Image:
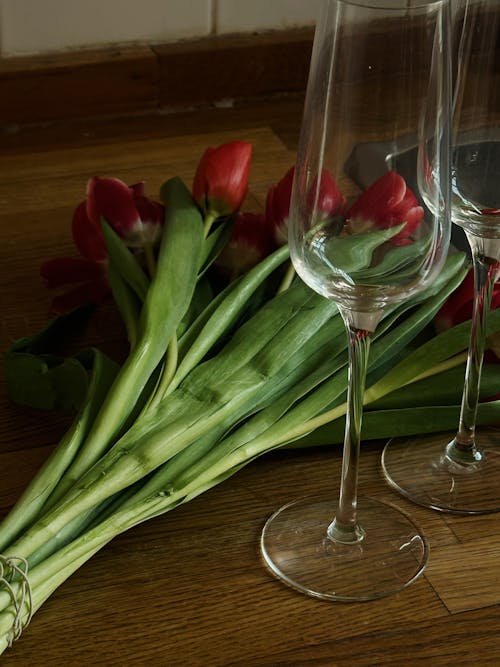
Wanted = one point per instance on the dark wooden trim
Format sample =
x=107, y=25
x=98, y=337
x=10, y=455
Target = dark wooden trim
x=137, y=79
x=234, y=67
x=76, y=85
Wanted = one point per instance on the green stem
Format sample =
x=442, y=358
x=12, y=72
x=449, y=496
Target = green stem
x=127, y=303
x=167, y=300
x=208, y=221
x=168, y=373
x=150, y=259
x=226, y=314
x=287, y=279
x=36, y=497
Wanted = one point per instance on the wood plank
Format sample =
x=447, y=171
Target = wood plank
x=469, y=639
x=189, y=588
x=466, y=576
x=166, y=157
x=205, y=598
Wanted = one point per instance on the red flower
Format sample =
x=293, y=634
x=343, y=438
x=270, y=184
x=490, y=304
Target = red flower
x=250, y=242
x=221, y=180
x=388, y=202
x=133, y=216
x=328, y=197
x=458, y=308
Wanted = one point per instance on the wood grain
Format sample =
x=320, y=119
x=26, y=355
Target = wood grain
x=466, y=576
x=188, y=588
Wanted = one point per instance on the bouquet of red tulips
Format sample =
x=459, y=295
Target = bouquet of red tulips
x=230, y=356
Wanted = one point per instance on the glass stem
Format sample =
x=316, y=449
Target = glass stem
x=345, y=527
x=463, y=448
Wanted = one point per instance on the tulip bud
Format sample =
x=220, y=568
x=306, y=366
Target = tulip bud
x=250, y=242
x=132, y=215
x=221, y=180
x=325, y=200
x=388, y=202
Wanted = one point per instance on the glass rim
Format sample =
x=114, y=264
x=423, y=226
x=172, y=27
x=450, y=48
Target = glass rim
x=405, y=4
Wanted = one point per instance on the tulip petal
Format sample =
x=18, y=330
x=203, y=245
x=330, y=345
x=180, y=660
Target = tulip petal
x=282, y=196
x=87, y=235
x=138, y=189
x=330, y=199
x=150, y=212
x=378, y=200
x=113, y=200
x=250, y=242
x=221, y=180
x=389, y=202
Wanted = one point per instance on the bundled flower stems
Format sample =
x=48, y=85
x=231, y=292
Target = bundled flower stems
x=219, y=371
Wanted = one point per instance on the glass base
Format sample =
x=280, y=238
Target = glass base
x=391, y=554
x=419, y=469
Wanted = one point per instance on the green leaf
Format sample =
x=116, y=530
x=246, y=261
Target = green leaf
x=202, y=297
x=35, y=497
x=166, y=302
x=394, y=260
x=385, y=424
x=127, y=302
x=208, y=331
x=36, y=377
x=442, y=389
x=55, y=333
x=429, y=355
x=124, y=262
x=215, y=242
x=45, y=382
x=353, y=253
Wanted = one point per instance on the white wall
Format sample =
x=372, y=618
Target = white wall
x=44, y=26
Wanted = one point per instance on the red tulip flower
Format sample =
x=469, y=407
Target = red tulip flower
x=132, y=215
x=458, y=308
x=388, y=202
x=328, y=201
x=250, y=243
x=221, y=180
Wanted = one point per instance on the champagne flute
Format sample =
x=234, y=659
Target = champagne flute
x=379, y=73
x=460, y=472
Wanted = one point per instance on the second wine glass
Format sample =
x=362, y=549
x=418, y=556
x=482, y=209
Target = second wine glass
x=460, y=472
x=368, y=238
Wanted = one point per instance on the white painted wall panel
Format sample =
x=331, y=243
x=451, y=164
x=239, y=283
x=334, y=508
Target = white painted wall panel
x=38, y=26
x=248, y=15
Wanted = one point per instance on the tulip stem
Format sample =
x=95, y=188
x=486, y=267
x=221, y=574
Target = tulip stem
x=168, y=372
x=150, y=259
x=209, y=220
x=287, y=279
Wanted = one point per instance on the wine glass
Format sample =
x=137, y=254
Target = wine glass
x=460, y=472
x=364, y=237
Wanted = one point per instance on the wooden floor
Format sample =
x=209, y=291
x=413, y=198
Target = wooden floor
x=188, y=589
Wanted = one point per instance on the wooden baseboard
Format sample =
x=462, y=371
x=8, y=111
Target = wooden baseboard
x=136, y=79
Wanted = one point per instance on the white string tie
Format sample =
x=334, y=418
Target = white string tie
x=14, y=579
